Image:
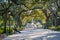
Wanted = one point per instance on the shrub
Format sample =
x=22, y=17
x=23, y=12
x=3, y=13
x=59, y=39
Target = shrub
x=58, y=28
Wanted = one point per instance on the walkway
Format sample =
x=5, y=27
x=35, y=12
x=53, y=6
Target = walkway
x=36, y=34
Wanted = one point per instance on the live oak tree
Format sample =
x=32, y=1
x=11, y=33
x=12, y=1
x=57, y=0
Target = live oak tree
x=49, y=9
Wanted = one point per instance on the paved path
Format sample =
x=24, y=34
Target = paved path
x=36, y=34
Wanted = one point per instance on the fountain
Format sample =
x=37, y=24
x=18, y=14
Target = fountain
x=31, y=25
x=39, y=25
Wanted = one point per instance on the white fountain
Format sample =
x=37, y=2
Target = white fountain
x=31, y=26
x=39, y=25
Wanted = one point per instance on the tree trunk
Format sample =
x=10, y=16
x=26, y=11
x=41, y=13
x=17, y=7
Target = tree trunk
x=5, y=21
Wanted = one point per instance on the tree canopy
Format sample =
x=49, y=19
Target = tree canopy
x=19, y=12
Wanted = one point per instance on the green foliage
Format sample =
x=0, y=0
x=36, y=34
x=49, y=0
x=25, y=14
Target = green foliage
x=20, y=12
x=1, y=30
x=52, y=28
x=58, y=28
x=55, y=28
